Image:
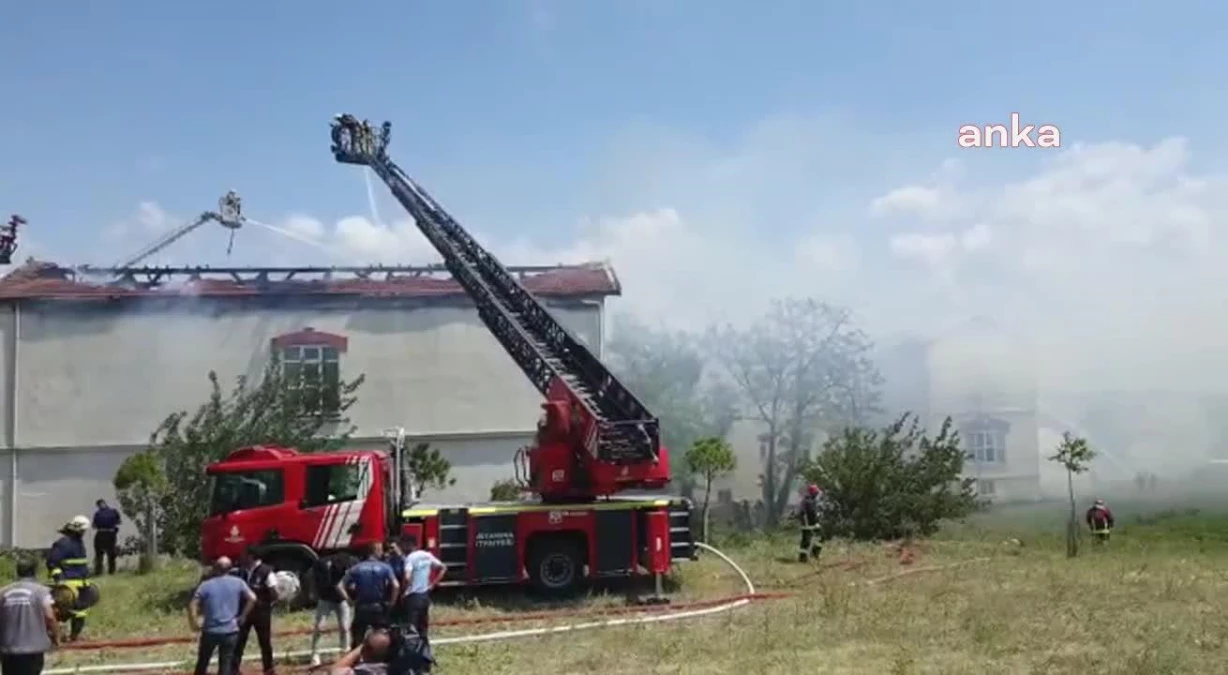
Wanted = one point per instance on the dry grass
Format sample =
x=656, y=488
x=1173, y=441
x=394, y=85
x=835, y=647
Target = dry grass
x=1152, y=602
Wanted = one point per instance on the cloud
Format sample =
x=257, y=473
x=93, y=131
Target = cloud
x=1106, y=259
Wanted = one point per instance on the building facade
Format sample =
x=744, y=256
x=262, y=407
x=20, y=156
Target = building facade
x=984, y=383
x=89, y=370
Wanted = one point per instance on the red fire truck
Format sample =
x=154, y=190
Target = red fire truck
x=595, y=443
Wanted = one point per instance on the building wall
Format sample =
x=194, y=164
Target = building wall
x=92, y=380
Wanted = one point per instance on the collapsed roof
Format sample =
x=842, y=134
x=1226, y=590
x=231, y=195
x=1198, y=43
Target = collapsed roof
x=44, y=280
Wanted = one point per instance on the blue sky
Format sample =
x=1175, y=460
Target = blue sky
x=548, y=126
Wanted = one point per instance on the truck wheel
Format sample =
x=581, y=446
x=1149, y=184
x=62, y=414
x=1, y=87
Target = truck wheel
x=556, y=567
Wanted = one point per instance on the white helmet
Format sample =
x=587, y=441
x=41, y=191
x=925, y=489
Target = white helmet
x=78, y=524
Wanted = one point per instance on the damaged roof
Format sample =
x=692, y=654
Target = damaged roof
x=43, y=280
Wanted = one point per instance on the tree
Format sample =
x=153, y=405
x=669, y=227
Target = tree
x=1075, y=455
x=506, y=490
x=277, y=409
x=666, y=370
x=804, y=367
x=893, y=483
x=140, y=487
x=709, y=459
x=428, y=468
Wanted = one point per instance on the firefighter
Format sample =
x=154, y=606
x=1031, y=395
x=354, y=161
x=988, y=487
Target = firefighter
x=106, y=536
x=69, y=567
x=1100, y=521
x=808, y=515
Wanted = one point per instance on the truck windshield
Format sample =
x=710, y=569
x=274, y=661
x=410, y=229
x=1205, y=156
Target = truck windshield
x=238, y=490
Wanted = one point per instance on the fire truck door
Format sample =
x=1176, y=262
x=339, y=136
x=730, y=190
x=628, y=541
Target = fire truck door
x=335, y=496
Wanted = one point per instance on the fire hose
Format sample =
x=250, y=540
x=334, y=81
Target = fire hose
x=648, y=615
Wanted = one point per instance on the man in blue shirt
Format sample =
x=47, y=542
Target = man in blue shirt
x=396, y=560
x=423, y=571
x=373, y=589
x=106, y=536
x=224, y=601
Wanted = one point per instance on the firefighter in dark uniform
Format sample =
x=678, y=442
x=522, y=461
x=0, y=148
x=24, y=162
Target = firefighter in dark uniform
x=1100, y=521
x=373, y=588
x=106, y=537
x=69, y=568
x=260, y=579
x=808, y=515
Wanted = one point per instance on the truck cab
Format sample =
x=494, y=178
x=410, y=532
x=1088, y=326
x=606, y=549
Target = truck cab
x=296, y=506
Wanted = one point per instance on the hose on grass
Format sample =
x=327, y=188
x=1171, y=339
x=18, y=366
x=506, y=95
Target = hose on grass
x=648, y=614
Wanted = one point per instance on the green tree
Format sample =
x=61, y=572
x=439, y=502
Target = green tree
x=506, y=490
x=709, y=459
x=892, y=483
x=428, y=468
x=804, y=367
x=140, y=487
x=1074, y=455
x=277, y=409
x=666, y=370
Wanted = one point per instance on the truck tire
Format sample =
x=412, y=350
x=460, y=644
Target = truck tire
x=556, y=566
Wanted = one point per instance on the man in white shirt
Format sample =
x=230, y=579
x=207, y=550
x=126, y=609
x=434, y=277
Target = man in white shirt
x=423, y=571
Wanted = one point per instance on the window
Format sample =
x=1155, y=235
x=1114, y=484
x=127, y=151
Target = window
x=332, y=483
x=239, y=490
x=986, y=488
x=312, y=363
x=724, y=497
x=984, y=439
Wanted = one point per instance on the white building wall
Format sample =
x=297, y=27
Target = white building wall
x=94, y=379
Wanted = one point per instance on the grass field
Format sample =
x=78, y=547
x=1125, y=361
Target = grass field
x=1152, y=602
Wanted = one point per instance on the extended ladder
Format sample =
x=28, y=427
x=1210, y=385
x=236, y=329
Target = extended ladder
x=539, y=344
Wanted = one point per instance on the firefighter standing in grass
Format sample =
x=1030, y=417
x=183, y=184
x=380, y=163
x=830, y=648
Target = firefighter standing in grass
x=1100, y=521
x=70, y=568
x=808, y=515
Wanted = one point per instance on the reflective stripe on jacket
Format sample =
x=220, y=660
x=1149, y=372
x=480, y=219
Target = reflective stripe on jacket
x=67, y=559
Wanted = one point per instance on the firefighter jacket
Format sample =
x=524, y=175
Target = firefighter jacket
x=808, y=513
x=67, y=560
x=1100, y=519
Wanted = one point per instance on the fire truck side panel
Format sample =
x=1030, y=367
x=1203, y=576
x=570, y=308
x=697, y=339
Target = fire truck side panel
x=491, y=544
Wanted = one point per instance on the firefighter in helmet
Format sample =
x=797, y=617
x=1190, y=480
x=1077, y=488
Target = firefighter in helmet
x=70, y=573
x=1100, y=521
x=808, y=515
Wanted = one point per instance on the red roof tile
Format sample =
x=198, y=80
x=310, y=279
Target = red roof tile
x=41, y=280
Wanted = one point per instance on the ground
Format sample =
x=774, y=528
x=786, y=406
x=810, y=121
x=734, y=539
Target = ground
x=994, y=595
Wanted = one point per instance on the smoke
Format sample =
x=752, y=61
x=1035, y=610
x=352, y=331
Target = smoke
x=1092, y=271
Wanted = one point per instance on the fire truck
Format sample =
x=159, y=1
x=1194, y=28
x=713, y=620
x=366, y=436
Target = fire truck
x=596, y=444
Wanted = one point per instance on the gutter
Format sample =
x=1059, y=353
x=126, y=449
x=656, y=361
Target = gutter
x=10, y=433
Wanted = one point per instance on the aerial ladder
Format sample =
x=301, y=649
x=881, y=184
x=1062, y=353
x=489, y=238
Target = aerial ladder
x=595, y=438
x=8, y=238
x=229, y=214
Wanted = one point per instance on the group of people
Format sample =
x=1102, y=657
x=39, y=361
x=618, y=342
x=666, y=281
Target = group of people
x=31, y=612
x=381, y=604
x=358, y=136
